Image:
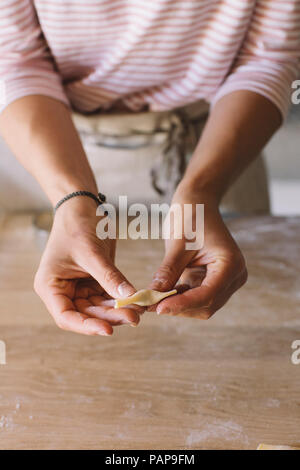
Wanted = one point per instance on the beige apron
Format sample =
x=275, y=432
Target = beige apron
x=143, y=156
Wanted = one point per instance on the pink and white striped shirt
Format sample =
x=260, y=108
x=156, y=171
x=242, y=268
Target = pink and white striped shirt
x=159, y=54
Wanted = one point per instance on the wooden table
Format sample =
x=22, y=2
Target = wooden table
x=171, y=383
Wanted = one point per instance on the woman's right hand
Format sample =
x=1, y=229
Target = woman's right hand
x=77, y=279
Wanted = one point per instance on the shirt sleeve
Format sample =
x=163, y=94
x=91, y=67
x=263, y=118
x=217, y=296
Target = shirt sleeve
x=26, y=64
x=269, y=59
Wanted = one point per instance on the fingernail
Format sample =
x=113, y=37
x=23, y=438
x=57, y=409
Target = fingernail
x=159, y=283
x=125, y=289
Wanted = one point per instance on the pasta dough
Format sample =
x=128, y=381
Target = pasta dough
x=144, y=298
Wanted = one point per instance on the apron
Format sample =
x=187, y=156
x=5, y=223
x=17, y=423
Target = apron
x=144, y=155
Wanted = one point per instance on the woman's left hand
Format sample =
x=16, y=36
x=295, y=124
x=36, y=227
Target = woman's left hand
x=205, y=278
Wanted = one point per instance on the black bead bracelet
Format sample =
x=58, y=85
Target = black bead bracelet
x=100, y=199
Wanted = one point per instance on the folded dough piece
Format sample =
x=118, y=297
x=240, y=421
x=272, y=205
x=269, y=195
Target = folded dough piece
x=144, y=298
x=277, y=447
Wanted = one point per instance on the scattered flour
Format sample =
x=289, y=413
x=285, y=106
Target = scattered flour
x=137, y=409
x=273, y=403
x=6, y=422
x=227, y=430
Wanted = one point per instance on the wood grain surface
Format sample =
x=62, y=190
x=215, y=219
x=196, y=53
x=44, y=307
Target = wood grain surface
x=170, y=383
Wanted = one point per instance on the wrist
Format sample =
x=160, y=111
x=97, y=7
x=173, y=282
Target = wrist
x=78, y=207
x=194, y=190
x=61, y=187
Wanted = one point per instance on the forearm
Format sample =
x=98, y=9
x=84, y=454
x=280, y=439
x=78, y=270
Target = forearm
x=40, y=132
x=239, y=126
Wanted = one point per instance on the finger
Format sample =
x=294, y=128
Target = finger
x=98, y=300
x=113, y=316
x=66, y=317
x=180, y=289
x=84, y=324
x=174, y=263
x=218, y=277
x=223, y=297
x=97, y=308
x=108, y=276
x=236, y=285
x=193, y=276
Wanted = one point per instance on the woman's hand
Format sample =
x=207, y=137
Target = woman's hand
x=238, y=127
x=207, y=278
x=77, y=279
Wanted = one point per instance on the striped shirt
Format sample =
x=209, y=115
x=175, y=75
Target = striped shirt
x=153, y=54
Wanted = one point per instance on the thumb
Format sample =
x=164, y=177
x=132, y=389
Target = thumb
x=171, y=268
x=109, y=277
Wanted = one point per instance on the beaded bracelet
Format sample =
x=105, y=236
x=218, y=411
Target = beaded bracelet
x=100, y=199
